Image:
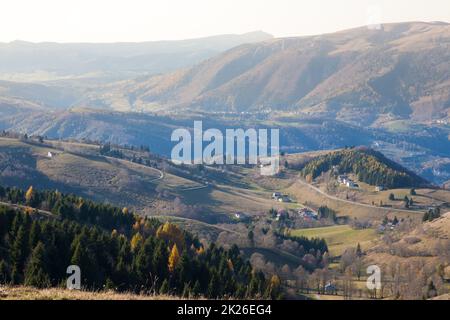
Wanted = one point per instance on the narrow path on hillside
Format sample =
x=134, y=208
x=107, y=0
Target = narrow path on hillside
x=197, y=188
x=22, y=207
x=160, y=172
x=353, y=202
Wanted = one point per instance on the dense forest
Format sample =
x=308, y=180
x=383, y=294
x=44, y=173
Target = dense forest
x=369, y=166
x=116, y=249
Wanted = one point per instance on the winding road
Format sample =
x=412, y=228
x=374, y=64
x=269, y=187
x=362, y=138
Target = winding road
x=304, y=183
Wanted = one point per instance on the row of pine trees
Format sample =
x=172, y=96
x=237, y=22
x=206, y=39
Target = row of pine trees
x=117, y=250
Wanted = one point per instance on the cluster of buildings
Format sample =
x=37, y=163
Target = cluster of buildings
x=390, y=226
x=281, y=197
x=241, y=217
x=282, y=214
x=308, y=214
x=346, y=181
x=304, y=213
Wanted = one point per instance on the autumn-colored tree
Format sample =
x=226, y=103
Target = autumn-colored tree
x=174, y=258
x=230, y=265
x=201, y=251
x=172, y=234
x=136, y=241
x=273, y=290
x=29, y=195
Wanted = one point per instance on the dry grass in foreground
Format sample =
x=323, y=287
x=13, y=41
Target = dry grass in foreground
x=27, y=293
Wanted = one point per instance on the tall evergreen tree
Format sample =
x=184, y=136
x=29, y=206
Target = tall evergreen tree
x=18, y=255
x=36, y=274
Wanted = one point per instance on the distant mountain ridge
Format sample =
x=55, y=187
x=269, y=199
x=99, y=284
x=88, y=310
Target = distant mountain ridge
x=26, y=61
x=385, y=89
x=355, y=75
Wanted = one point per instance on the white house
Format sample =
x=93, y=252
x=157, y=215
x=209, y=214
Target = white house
x=50, y=155
x=284, y=198
x=342, y=179
x=276, y=195
x=350, y=184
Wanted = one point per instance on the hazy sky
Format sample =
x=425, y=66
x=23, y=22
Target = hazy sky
x=143, y=20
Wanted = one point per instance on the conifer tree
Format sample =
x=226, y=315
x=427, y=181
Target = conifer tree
x=18, y=255
x=35, y=234
x=36, y=274
x=358, y=250
x=4, y=272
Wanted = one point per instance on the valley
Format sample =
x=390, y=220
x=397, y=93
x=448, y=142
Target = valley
x=226, y=207
x=217, y=206
x=318, y=90
x=86, y=176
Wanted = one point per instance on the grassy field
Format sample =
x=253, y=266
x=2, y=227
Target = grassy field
x=339, y=238
x=28, y=293
x=305, y=195
x=78, y=168
x=367, y=194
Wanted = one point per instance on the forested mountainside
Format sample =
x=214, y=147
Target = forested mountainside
x=369, y=166
x=115, y=249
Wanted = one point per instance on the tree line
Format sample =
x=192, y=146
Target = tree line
x=116, y=249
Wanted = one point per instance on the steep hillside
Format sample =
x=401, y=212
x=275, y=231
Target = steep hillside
x=115, y=181
x=355, y=75
x=154, y=188
x=115, y=249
